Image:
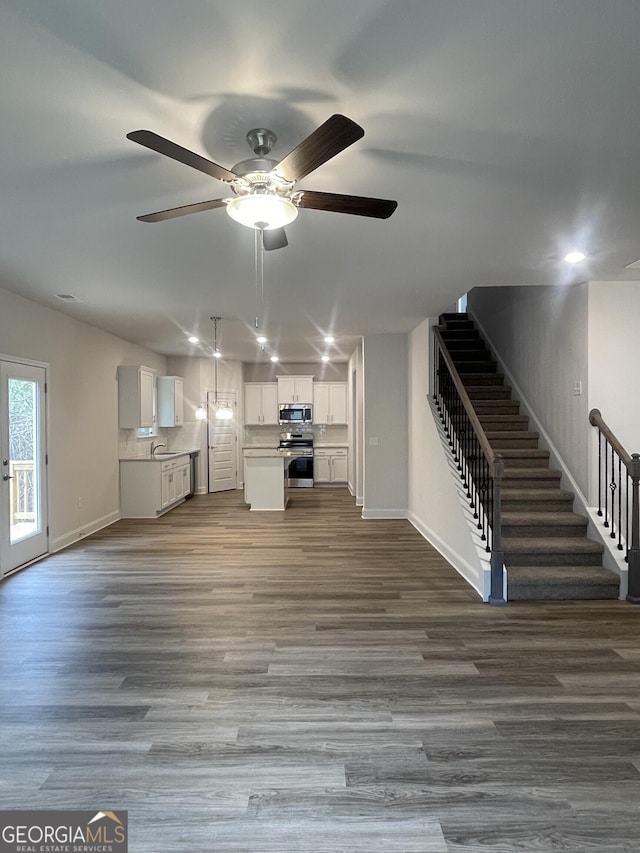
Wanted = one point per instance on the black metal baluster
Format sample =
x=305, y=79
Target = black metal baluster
x=626, y=535
x=612, y=489
x=605, y=489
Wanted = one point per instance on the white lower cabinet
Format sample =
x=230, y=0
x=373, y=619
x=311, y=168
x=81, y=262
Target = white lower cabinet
x=330, y=465
x=151, y=487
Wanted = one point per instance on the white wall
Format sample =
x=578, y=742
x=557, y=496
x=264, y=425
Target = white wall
x=356, y=424
x=83, y=415
x=614, y=380
x=385, y=426
x=540, y=336
x=434, y=504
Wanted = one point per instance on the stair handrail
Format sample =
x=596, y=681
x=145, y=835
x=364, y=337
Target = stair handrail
x=495, y=465
x=618, y=484
x=491, y=456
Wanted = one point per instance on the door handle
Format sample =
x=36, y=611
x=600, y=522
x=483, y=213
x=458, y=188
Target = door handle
x=6, y=477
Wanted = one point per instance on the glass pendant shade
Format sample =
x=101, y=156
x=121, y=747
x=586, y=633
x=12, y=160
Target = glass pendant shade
x=201, y=412
x=224, y=412
x=262, y=211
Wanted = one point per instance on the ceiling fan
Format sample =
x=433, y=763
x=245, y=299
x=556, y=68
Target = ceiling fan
x=265, y=197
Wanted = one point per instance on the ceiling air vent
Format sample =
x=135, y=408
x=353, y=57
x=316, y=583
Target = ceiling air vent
x=67, y=297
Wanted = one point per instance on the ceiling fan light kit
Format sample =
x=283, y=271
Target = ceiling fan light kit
x=265, y=198
x=264, y=211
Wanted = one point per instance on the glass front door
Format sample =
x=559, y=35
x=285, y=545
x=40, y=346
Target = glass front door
x=23, y=524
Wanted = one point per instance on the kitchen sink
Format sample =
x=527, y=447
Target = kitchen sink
x=168, y=453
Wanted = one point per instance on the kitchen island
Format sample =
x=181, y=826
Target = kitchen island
x=265, y=478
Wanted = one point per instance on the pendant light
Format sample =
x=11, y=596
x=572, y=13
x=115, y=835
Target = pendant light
x=223, y=411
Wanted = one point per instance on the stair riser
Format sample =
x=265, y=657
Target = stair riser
x=476, y=367
x=537, y=506
x=497, y=407
x=583, y=592
x=524, y=483
x=534, y=558
x=483, y=379
x=479, y=354
x=541, y=531
x=513, y=443
x=526, y=462
x=464, y=343
x=495, y=424
x=488, y=392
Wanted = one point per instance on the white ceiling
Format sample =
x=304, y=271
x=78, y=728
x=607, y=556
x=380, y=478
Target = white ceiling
x=507, y=130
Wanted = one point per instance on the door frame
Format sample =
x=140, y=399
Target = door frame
x=232, y=397
x=44, y=441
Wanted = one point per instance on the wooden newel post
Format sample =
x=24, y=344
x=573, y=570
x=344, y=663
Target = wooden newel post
x=496, y=595
x=633, y=594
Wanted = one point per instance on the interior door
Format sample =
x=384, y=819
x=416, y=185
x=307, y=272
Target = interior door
x=23, y=505
x=222, y=442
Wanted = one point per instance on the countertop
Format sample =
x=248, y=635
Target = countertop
x=160, y=456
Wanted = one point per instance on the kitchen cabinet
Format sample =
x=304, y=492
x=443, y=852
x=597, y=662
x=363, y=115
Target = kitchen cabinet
x=151, y=487
x=330, y=465
x=170, y=401
x=261, y=403
x=295, y=389
x=330, y=403
x=136, y=397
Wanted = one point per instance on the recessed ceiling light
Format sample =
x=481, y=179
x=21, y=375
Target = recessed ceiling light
x=325, y=358
x=274, y=358
x=261, y=339
x=329, y=339
x=193, y=340
x=574, y=257
x=217, y=354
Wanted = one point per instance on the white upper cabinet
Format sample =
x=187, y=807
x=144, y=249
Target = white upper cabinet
x=170, y=401
x=330, y=403
x=136, y=391
x=261, y=403
x=295, y=389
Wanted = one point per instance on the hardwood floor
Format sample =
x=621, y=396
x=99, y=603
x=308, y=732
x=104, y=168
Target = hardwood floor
x=307, y=681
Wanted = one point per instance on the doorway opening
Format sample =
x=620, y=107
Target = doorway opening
x=24, y=531
x=222, y=444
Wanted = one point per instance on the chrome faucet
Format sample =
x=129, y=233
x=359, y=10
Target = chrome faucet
x=155, y=446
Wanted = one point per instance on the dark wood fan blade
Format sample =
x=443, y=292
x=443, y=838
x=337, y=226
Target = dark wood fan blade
x=332, y=137
x=164, y=146
x=174, y=212
x=276, y=238
x=358, y=205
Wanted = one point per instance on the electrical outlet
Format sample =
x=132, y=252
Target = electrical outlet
x=577, y=389
x=373, y=440
x=80, y=502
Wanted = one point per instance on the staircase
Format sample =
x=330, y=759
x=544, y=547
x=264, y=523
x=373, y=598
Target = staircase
x=546, y=549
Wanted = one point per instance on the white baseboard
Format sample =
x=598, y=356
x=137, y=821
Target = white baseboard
x=61, y=542
x=385, y=513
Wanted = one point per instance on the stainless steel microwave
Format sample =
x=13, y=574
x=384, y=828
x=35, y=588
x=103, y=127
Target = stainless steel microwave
x=294, y=413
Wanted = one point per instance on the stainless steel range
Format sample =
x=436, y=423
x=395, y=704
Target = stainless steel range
x=298, y=448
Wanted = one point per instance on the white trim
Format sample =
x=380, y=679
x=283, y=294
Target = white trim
x=86, y=530
x=385, y=513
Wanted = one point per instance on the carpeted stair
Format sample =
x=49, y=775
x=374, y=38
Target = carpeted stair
x=546, y=549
